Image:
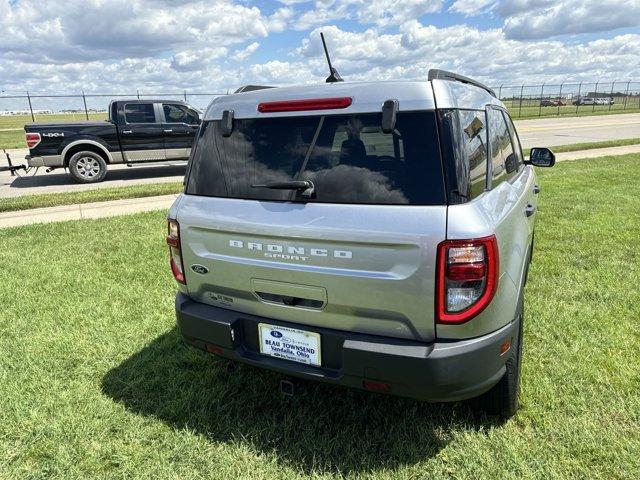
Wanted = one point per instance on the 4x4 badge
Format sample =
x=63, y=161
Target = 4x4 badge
x=201, y=269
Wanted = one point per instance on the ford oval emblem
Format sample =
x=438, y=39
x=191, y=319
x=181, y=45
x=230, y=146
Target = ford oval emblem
x=276, y=334
x=201, y=269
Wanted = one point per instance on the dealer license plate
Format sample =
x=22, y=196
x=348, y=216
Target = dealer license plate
x=290, y=344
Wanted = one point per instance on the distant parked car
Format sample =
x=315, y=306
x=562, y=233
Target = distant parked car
x=584, y=101
x=552, y=103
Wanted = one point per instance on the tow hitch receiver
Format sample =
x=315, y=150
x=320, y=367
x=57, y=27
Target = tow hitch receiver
x=287, y=387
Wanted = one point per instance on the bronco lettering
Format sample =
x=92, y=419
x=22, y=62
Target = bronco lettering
x=290, y=253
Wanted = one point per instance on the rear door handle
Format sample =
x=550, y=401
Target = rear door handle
x=536, y=189
x=529, y=210
x=127, y=131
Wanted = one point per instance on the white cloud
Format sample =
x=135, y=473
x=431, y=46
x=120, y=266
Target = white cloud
x=375, y=12
x=245, y=52
x=166, y=46
x=486, y=54
x=542, y=19
x=51, y=31
x=471, y=8
x=394, y=12
x=508, y=8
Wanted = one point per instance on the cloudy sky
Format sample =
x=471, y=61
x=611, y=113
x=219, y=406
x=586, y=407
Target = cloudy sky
x=169, y=45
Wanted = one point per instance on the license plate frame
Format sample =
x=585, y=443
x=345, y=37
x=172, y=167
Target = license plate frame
x=292, y=344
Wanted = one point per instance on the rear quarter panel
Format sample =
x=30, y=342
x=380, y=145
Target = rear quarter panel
x=56, y=137
x=500, y=212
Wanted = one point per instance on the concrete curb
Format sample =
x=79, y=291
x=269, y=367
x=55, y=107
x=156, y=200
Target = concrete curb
x=597, y=152
x=87, y=210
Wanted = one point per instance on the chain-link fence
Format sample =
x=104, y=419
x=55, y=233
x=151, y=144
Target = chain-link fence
x=575, y=98
x=523, y=101
x=86, y=105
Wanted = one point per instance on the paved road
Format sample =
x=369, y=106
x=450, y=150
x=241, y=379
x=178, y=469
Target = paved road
x=546, y=132
x=549, y=132
x=60, y=181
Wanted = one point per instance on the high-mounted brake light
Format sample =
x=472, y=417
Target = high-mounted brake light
x=33, y=139
x=301, y=105
x=467, y=278
x=175, y=251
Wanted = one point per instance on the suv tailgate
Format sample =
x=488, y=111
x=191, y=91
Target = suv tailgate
x=364, y=268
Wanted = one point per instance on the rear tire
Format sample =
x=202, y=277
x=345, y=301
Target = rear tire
x=87, y=167
x=502, y=399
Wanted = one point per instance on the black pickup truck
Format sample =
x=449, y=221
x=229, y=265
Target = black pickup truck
x=136, y=131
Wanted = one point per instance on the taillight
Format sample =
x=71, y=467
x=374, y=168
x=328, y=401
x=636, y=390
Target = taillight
x=302, y=105
x=33, y=139
x=467, y=278
x=175, y=252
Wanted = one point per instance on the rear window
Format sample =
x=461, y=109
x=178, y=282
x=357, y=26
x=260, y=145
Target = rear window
x=347, y=157
x=139, y=113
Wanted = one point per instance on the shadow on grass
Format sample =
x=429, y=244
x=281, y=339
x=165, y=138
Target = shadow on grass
x=322, y=429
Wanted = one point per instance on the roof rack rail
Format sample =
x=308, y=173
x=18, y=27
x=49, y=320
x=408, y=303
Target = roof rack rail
x=435, y=74
x=251, y=88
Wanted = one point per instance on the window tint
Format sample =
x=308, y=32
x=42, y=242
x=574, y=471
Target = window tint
x=139, y=113
x=503, y=160
x=465, y=153
x=517, y=148
x=350, y=161
x=175, y=113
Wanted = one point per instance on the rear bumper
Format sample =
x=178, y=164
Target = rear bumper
x=44, y=161
x=436, y=372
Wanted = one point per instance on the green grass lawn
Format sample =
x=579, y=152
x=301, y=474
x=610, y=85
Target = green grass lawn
x=95, y=382
x=533, y=110
x=88, y=196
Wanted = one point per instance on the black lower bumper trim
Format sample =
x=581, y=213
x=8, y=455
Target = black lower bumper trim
x=438, y=371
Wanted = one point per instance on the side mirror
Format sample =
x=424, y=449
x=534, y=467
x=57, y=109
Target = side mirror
x=541, y=157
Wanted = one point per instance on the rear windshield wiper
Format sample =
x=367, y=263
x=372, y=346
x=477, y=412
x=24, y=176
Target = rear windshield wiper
x=304, y=187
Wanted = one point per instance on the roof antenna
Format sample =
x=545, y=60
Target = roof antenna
x=334, y=76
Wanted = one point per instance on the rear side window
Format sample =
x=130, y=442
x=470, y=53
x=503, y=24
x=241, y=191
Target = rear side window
x=517, y=148
x=465, y=150
x=347, y=157
x=504, y=163
x=139, y=113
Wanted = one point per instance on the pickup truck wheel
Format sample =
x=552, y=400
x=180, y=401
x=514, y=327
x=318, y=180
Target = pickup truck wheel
x=502, y=399
x=87, y=167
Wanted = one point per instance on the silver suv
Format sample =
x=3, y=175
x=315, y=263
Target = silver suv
x=375, y=235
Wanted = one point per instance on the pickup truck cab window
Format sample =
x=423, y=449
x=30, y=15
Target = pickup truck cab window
x=139, y=113
x=175, y=113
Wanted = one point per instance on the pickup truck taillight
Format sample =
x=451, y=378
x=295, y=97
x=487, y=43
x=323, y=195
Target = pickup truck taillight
x=467, y=277
x=175, y=252
x=33, y=139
